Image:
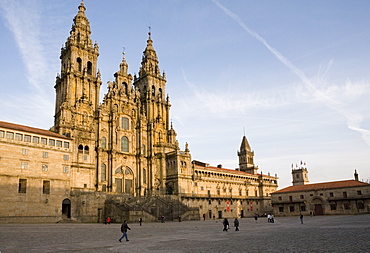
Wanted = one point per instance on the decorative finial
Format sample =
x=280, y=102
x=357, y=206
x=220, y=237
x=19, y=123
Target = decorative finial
x=150, y=31
x=123, y=53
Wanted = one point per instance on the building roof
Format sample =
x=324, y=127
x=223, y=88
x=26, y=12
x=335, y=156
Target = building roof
x=322, y=186
x=33, y=130
x=224, y=170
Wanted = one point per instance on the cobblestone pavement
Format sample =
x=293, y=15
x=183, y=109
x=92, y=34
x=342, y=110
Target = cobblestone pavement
x=317, y=234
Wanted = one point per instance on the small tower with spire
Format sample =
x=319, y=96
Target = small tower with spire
x=246, y=157
x=300, y=174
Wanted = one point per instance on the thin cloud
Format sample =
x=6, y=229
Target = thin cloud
x=22, y=19
x=320, y=95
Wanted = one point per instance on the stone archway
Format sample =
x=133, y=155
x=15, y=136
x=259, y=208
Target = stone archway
x=317, y=204
x=124, y=180
x=66, y=209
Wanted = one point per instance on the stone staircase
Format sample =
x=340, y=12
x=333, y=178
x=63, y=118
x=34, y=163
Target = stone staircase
x=150, y=209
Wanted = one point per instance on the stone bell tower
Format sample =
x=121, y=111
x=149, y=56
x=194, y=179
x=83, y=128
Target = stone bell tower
x=78, y=85
x=246, y=157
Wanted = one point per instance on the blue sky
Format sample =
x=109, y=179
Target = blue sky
x=292, y=75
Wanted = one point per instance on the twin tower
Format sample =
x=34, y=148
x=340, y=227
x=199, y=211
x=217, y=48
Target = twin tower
x=125, y=144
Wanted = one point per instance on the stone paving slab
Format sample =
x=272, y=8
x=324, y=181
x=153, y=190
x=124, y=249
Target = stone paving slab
x=317, y=234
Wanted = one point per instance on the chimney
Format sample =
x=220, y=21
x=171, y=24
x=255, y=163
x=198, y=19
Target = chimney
x=219, y=166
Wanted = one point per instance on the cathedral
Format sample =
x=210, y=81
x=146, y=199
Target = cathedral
x=117, y=156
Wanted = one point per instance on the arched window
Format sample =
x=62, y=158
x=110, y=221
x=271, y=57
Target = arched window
x=86, y=150
x=160, y=93
x=103, y=173
x=144, y=176
x=153, y=90
x=124, y=144
x=125, y=123
x=143, y=150
x=80, y=149
x=104, y=142
x=124, y=84
x=89, y=68
x=79, y=64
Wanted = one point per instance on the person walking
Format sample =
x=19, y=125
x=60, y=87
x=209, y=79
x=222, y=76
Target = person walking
x=140, y=221
x=124, y=228
x=226, y=225
x=236, y=224
x=256, y=217
x=301, y=218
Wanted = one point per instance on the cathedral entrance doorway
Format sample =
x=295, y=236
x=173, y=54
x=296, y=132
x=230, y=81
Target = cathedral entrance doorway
x=66, y=209
x=318, y=209
x=124, y=180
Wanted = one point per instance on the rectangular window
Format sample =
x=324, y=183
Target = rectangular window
x=51, y=142
x=65, y=169
x=46, y=187
x=22, y=186
x=24, y=165
x=301, y=197
x=291, y=208
x=347, y=206
x=240, y=192
x=333, y=207
x=45, y=154
x=303, y=208
x=65, y=157
x=44, y=141
x=10, y=135
x=19, y=137
x=345, y=195
x=279, y=198
x=35, y=139
x=144, y=176
x=218, y=192
x=66, y=144
x=331, y=194
x=27, y=138
x=290, y=198
x=2, y=134
x=360, y=205
x=202, y=188
x=59, y=143
x=246, y=193
x=281, y=209
x=359, y=193
x=24, y=151
x=45, y=167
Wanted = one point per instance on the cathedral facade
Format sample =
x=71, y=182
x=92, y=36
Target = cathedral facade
x=122, y=158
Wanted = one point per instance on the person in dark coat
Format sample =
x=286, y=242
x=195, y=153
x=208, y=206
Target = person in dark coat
x=236, y=224
x=140, y=221
x=226, y=225
x=124, y=228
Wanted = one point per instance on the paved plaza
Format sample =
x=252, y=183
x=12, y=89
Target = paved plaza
x=317, y=234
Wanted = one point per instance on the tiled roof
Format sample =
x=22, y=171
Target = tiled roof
x=322, y=186
x=227, y=170
x=33, y=130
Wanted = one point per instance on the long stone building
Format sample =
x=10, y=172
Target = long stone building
x=117, y=157
x=337, y=197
